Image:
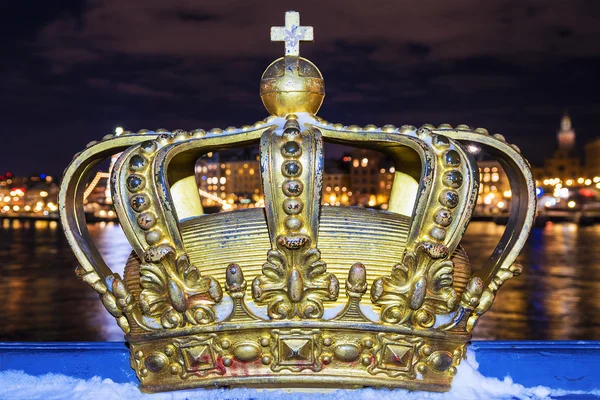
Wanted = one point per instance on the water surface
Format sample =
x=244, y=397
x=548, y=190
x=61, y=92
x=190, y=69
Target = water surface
x=556, y=297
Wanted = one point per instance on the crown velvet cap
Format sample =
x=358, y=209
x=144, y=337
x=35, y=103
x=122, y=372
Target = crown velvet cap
x=296, y=294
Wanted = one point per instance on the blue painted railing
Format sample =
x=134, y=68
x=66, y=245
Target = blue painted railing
x=571, y=366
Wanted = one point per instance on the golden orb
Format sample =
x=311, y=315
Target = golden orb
x=292, y=85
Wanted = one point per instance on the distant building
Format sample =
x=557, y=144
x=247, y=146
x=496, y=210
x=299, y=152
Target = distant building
x=564, y=164
x=592, y=158
x=35, y=194
x=336, y=183
x=242, y=177
x=371, y=178
x=494, y=188
x=229, y=180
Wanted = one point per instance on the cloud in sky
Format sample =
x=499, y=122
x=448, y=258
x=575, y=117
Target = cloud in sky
x=88, y=66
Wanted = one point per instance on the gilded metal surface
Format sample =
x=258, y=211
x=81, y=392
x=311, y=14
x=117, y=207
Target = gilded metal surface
x=252, y=297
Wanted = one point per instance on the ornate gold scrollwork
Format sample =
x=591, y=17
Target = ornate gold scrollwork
x=294, y=282
x=419, y=287
x=292, y=291
x=174, y=290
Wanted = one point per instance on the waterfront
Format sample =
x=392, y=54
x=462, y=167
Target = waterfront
x=556, y=298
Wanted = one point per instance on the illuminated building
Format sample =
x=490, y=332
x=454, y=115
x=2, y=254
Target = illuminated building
x=564, y=164
x=25, y=195
x=371, y=178
x=336, y=183
x=241, y=177
x=592, y=158
x=231, y=180
x=494, y=188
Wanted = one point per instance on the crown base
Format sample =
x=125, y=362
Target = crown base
x=296, y=384
x=300, y=355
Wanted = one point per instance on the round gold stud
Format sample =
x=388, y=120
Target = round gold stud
x=292, y=206
x=155, y=362
x=427, y=350
x=149, y=146
x=443, y=217
x=137, y=162
x=169, y=350
x=153, y=236
x=437, y=233
x=146, y=220
x=293, y=223
x=291, y=168
x=140, y=202
x=449, y=198
x=175, y=369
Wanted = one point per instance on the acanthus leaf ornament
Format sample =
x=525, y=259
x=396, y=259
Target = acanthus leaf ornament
x=421, y=285
x=174, y=291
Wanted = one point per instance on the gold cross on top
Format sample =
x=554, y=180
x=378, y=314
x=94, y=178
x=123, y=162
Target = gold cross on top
x=292, y=33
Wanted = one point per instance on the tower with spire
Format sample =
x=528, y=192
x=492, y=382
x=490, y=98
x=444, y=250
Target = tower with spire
x=566, y=136
x=564, y=164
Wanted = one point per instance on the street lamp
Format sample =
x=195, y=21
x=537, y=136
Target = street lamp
x=118, y=130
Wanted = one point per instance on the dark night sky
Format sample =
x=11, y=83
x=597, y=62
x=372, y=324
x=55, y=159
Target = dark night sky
x=74, y=70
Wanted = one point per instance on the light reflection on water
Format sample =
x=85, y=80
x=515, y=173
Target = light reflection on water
x=555, y=298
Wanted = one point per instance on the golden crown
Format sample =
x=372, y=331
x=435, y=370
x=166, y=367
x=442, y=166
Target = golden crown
x=184, y=303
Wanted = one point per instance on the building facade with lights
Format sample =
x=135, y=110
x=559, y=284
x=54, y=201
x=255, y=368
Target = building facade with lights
x=564, y=164
x=592, y=158
x=494, y=189
x=371, y=178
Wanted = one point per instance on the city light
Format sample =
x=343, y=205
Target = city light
x=571, y=204
x=118, y=130
x=473, y=149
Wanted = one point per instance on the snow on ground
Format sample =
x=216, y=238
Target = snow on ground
x=468, y=384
